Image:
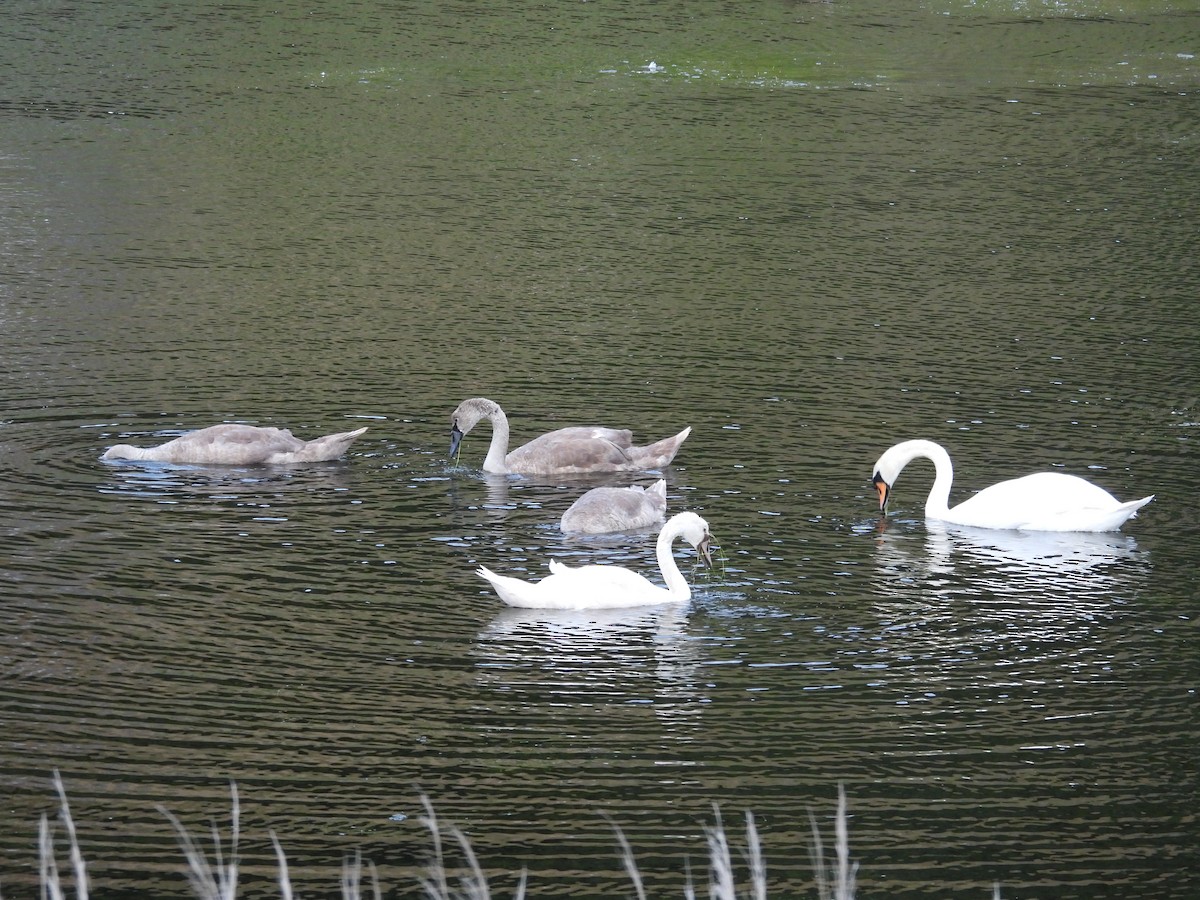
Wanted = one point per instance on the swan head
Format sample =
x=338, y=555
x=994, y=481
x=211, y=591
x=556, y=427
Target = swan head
x=467, y=416
x=694, y=530
x=884, y=490
x=896, y=457
x=887, y=470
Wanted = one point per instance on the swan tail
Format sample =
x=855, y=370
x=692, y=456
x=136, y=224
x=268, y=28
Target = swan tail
x=511, y=590
x=331, y=446
x=660, y=453
x=1124, y=513
x=1134, y=505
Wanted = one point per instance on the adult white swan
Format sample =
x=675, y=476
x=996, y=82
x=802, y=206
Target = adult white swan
x=240, y=445
x=607, y=509
x=1044, y=501
x=567, y=451
x=609, y=587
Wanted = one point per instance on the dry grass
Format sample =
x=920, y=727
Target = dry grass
x=216, y=878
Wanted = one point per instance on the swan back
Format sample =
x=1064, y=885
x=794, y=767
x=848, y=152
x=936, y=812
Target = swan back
x=607, y=509
x=240, y=445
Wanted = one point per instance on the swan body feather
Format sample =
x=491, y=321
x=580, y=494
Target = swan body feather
x=609, y=587
x=1043, y=501
x=567, y=451
x=233, y=444
x=607, y=509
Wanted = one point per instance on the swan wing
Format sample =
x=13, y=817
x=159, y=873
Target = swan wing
x=571, y=450
x=591, y=449
x=586, y=587
x=1044, y=501
x=235, y=444
x=228, y=444
x=601, y=587
x=1089, y=518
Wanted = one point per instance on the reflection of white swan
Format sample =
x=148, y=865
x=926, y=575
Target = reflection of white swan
x=599, y=587
x=606, y=509
x=1044, y=501
x=977, y=563
x=567, y=451
x=633, y=661
x=993, y=606
x=240, y=445
x=1054, y=554
x=582, y=625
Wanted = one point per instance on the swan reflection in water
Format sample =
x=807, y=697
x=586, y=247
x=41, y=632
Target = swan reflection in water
x=178, y=482
x=1045, y=563
x=631, y=658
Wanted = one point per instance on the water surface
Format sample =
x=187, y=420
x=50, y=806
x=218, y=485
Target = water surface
x=806, y=230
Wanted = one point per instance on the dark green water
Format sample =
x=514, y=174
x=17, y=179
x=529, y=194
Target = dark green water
x=808, y=230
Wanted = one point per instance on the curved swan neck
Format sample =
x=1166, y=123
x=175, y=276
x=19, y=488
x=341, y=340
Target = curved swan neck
x=937, y=504
x=126, y=451
x=498, y=448
x=676, y=583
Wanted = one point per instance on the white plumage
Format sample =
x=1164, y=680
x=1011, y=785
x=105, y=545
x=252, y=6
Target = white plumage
x=606, y=587
x=1044, y=501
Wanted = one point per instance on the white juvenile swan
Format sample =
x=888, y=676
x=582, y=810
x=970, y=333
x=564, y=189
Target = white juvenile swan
x=609, y=587
x=567, y=451
x=240, y=445
x=1044, y=501
x=605, y=509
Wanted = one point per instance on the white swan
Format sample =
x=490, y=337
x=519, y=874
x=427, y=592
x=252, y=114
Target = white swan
x=567, y=451
x=1044, y=501
x=609, y=587
x=605, y=509
x=240, y=445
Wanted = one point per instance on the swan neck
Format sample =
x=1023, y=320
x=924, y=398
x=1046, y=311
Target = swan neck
x=676, y=584
x=498, y=448
x=126, y=451
x=937, y=504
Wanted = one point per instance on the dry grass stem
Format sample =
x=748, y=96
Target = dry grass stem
x=474, y=882
x=217, y=880
x=211, y=882
x=837, y=882
x=48, y=868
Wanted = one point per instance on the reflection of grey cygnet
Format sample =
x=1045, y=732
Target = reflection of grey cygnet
x=240, y=445
x=607, y=587
x=567, y=451
x=1044, y=501
x=606, y=509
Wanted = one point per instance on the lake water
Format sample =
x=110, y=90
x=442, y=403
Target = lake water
x=808, y=230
